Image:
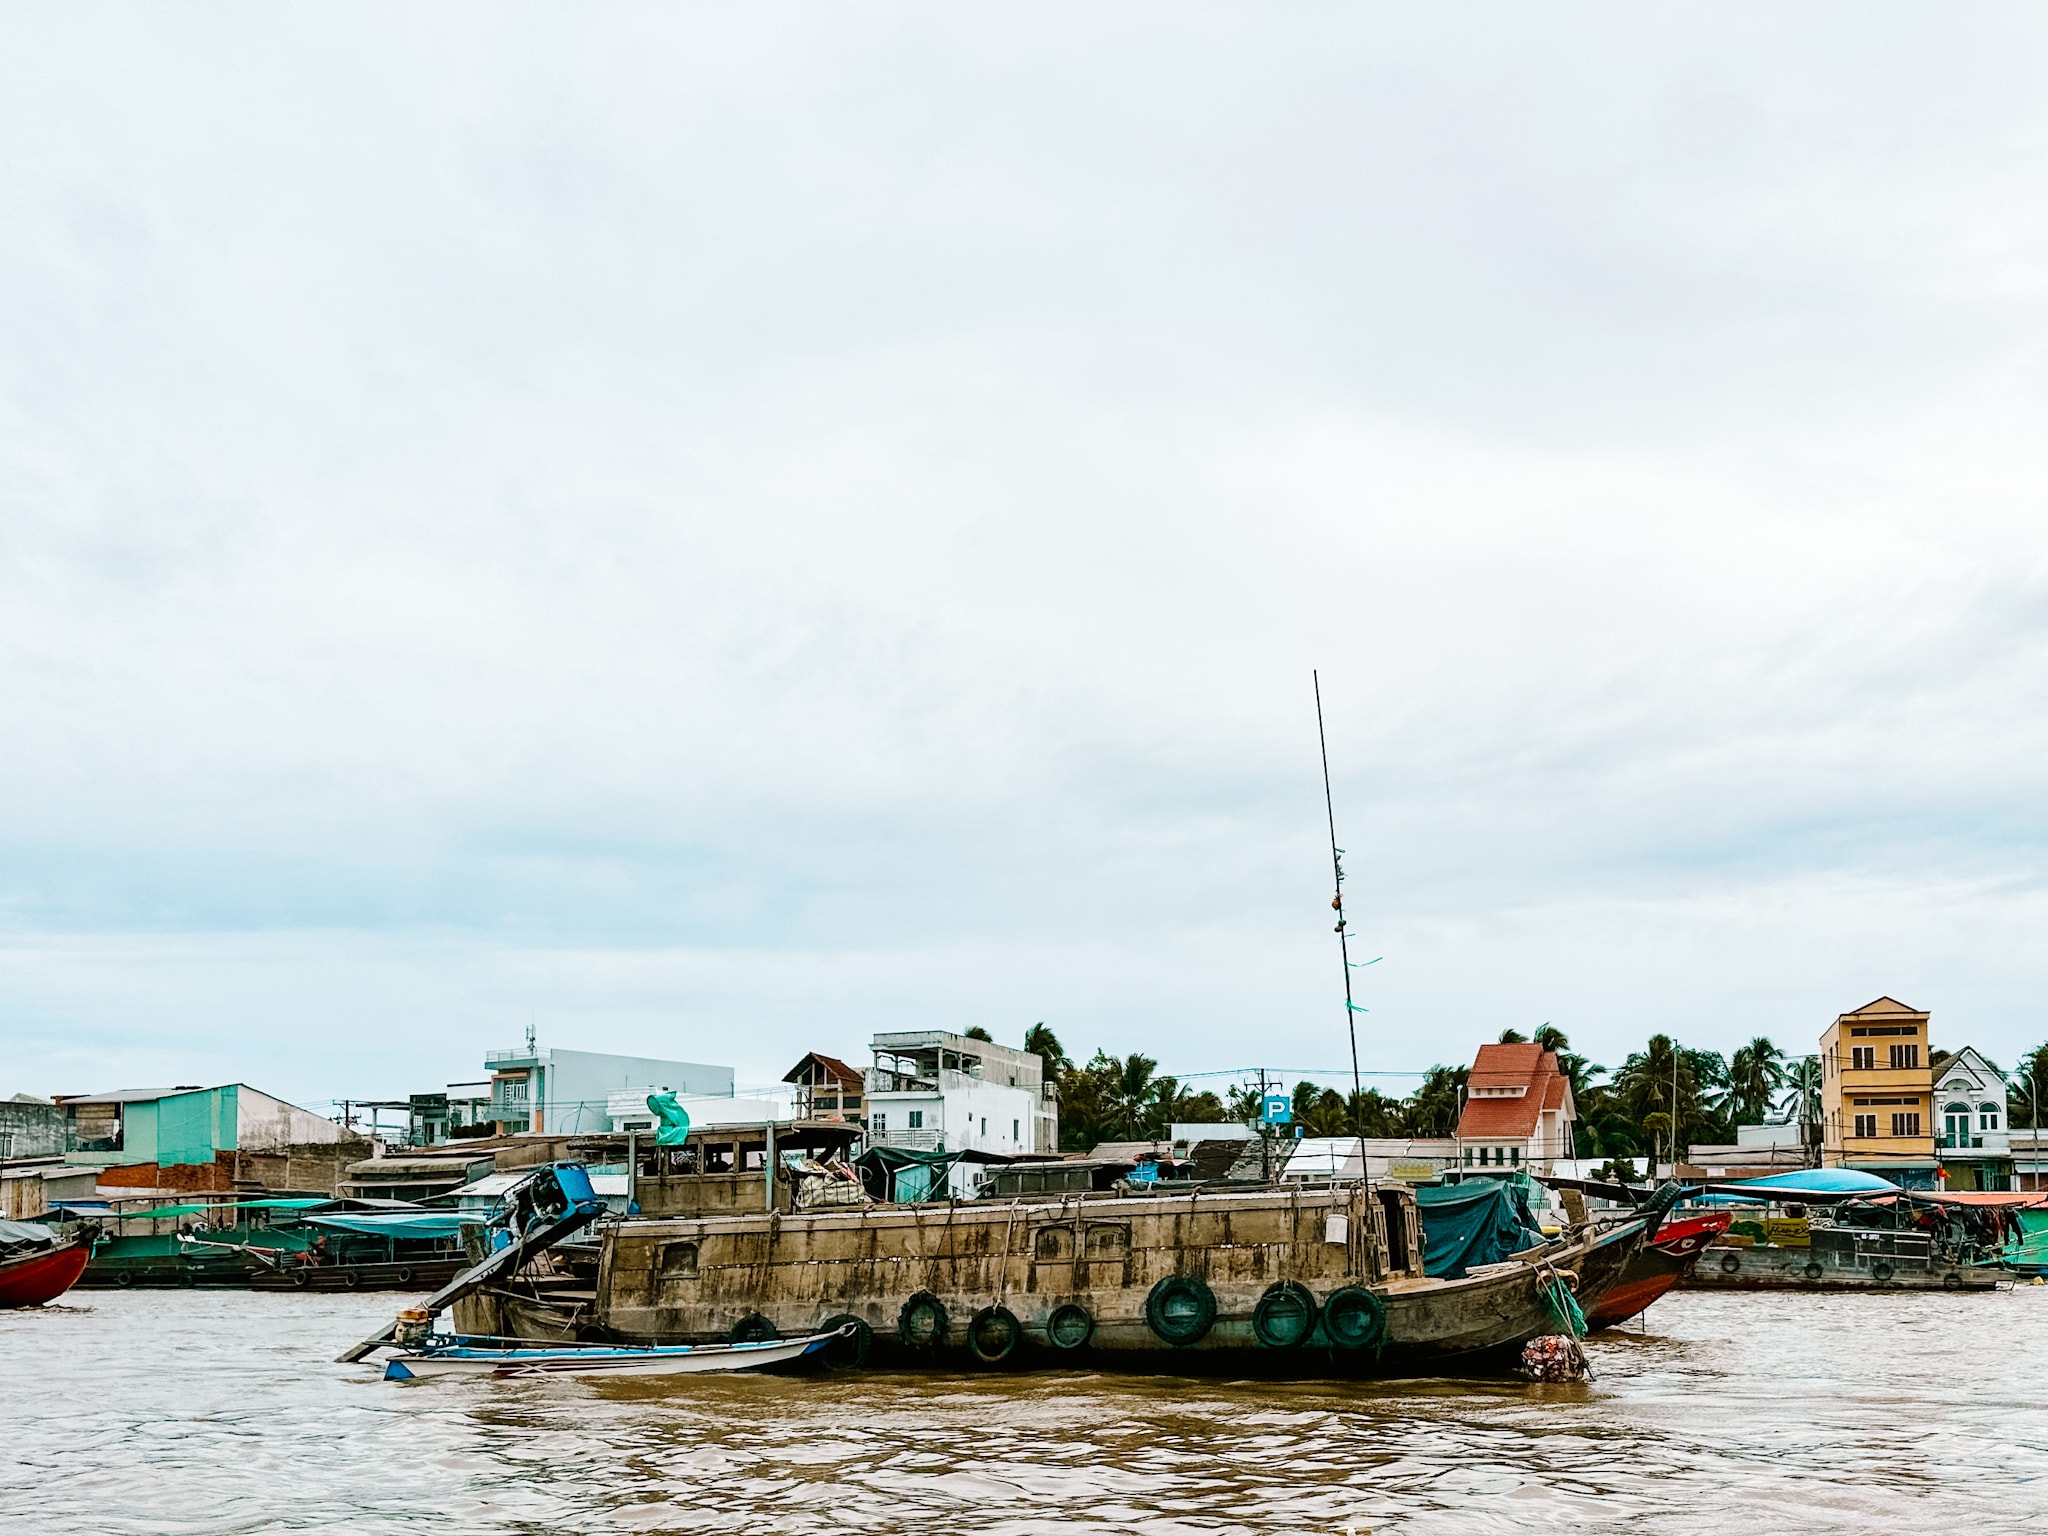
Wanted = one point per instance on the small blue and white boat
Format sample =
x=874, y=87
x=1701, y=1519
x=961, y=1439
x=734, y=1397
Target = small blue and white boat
x=457, y=1355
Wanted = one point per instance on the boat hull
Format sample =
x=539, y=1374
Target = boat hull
x=609, y=1362
x=177, y=1274
x=1656, y=1268
x=1766, y=1268
x=35, y=1278
x=1076, y=1281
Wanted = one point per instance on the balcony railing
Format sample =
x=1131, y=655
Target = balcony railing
x=909, y=1141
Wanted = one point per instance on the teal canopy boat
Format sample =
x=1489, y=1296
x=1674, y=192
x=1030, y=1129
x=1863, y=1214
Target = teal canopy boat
x=278, y=1243
x=2026, y=1251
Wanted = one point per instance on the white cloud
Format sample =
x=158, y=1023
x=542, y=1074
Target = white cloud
x=710, y=523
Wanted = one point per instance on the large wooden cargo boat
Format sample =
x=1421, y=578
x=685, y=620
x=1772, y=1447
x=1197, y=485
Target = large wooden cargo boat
x=1297, y=1280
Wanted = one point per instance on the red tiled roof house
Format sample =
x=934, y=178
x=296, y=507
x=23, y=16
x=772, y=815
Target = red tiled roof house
x=1518, y=1110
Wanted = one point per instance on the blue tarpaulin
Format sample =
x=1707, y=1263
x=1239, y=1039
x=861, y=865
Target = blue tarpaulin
x=1481, y=1221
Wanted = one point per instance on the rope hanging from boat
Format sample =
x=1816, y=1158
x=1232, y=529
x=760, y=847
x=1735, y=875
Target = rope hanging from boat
x=1564, y=1307
x=1560, y=1357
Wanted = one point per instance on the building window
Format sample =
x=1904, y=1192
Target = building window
x=917, y=1119
x=881, y=1125
x=1905, y=1057
x=984, y=1125
x=1468, y=1157
x=1866, y=1125
x=1016, y=1130
x=1906, y=1125
x=1515, y=1156
x=1862, y=1058
x=1987, y=1117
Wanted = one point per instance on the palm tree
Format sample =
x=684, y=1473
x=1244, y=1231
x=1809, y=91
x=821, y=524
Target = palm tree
x=1657, y=1127
x=1756, y=1074
x=1802, y=1099
x=1132, y=1094
x=1371, y=1113
x=1319, y=1111
x=1688, y=1087
x=1432, y=1110
x=2026, y=1088
x=1513, y=1036
x=1045, y=1045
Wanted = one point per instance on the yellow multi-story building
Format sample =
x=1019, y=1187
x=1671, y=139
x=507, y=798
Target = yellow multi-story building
x=1877, y=1093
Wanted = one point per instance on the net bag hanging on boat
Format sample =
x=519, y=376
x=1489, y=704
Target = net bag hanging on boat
x=1558, y=1357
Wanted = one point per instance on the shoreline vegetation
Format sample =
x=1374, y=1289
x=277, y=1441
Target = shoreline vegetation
x=1663, y=1095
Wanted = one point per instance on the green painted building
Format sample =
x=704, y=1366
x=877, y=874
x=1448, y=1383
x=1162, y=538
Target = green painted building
x=185, y=1124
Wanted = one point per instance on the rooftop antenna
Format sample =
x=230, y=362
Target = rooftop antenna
x=529, y=1036
x=1343, y=936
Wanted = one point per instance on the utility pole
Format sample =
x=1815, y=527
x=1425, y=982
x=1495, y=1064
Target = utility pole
x=1674, y=1114
x=1265, y=1135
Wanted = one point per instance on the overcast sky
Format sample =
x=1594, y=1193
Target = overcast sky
x=715, y=531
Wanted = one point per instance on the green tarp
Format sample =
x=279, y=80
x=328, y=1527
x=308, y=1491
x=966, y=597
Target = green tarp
x=674, y=1130
x=156, y=1211
x=2027, y=1251
x=897, y=1174
x=1481, y=1221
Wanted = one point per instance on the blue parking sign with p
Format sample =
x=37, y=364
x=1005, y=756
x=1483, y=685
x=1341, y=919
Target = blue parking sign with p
x=1276, y=1109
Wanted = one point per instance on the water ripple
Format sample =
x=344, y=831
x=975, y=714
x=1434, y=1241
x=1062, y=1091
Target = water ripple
x=188, y=1412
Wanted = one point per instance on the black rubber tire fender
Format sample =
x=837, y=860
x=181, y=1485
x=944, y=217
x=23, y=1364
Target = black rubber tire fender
x=1812, y=1271
x=302, y=1278
x=1951, y=1281
x=1181, y=1309
x=923, y=1323
x=352, y=1278
x=993, y=1335
x=124, y=1278
x=1730, y=1263
x=405, y=1274
x=853, y=1349
x=1354, y=1317
x=1285, y=1315
x=754, y=1328
x=1880, y=1271
x=1071, y=1327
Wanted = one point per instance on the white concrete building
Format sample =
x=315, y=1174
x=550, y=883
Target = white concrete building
x=934, y=1091
x=629, y=1112
x=1971, y=1137
x=563, y=1092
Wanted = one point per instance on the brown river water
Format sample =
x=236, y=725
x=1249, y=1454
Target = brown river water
x=186, y=1412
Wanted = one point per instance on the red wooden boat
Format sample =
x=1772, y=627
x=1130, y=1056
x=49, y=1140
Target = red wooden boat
x=35, y=1266
x=1657, y=1267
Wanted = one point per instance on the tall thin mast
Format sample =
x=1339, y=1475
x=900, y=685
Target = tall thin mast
x=1343, y=936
